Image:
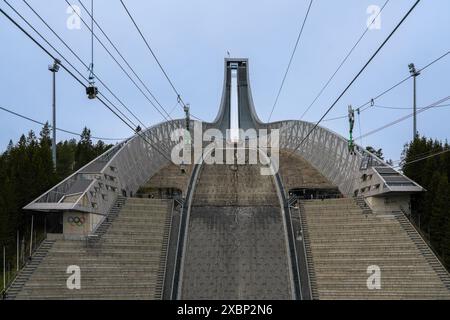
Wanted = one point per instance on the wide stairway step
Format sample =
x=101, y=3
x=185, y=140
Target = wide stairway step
x=124, y=262
x=344, y=243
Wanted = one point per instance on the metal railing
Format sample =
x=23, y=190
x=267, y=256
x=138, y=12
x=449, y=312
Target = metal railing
x=24, y=250
x=171, y=214
x=423, y=236
x=295, y=204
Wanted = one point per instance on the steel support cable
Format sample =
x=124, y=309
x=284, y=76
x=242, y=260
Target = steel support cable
x=343, y=61
x=382, y=107
x=59, y=129
x=336, y=118
x=291, y=59
x=120, y=65
x=64, y=58
x=404, y=80
x=80, y=82
x=173, y=108
x=417, y=156
x=434, y=61
x=92, y=77
x=70, y=64
x=84, y=64
x=79, y=59
x=420, y=110
x=423, y=158
x=126, y=62
x=406, y=108
x=357, y=75
x=359, y=124
x=179, y=98
x=76, y=56
x=368, y=103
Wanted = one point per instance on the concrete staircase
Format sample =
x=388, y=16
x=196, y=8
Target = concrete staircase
x=342, y=242
x=424, y=248
x=126, y=262
x=26, y=273
x=363, y=205
x=309, y=260
x=107, y=222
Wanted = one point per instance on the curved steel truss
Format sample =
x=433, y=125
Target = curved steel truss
x=120, y=170
x=128, y=165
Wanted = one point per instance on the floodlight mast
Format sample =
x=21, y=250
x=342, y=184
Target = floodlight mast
x=54, y=68
x=414, y=74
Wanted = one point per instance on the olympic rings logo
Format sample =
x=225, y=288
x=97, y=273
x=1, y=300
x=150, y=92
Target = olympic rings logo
x=76, y=221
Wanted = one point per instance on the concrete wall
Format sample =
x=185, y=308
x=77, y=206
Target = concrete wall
x=77, y=225
x=296, y=172
x=389, y=203
x=169, y=177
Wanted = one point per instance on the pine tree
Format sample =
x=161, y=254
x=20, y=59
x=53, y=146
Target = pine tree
x=65, y=152
x=446, y=242
x=45, y=135
x=31, y=139
x=85, y=151
x=9, y=147
x=26, y=171
x=439, y=211
x=433, y=206
x=378, y=153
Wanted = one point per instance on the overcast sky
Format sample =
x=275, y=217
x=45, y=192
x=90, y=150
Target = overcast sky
x=191, y=39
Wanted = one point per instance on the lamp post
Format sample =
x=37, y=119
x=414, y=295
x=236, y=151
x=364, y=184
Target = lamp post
x=414, y=74
x=54, y=68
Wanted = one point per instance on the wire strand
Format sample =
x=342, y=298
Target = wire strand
x=122, y=68
x=357, y=75
x=404, y=80
x=420, y=110
x=59, y=129
x=421, y=159
x=343, y=61
x=367, y=105
x=406, y=108
x=415, y=156
x=179, y=98
x=68, y=62
x=290, y=60
x=77, y=57
x=126, y=62
x=80, y=82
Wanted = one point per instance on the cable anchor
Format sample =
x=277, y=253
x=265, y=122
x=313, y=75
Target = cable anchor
x=351, y=120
